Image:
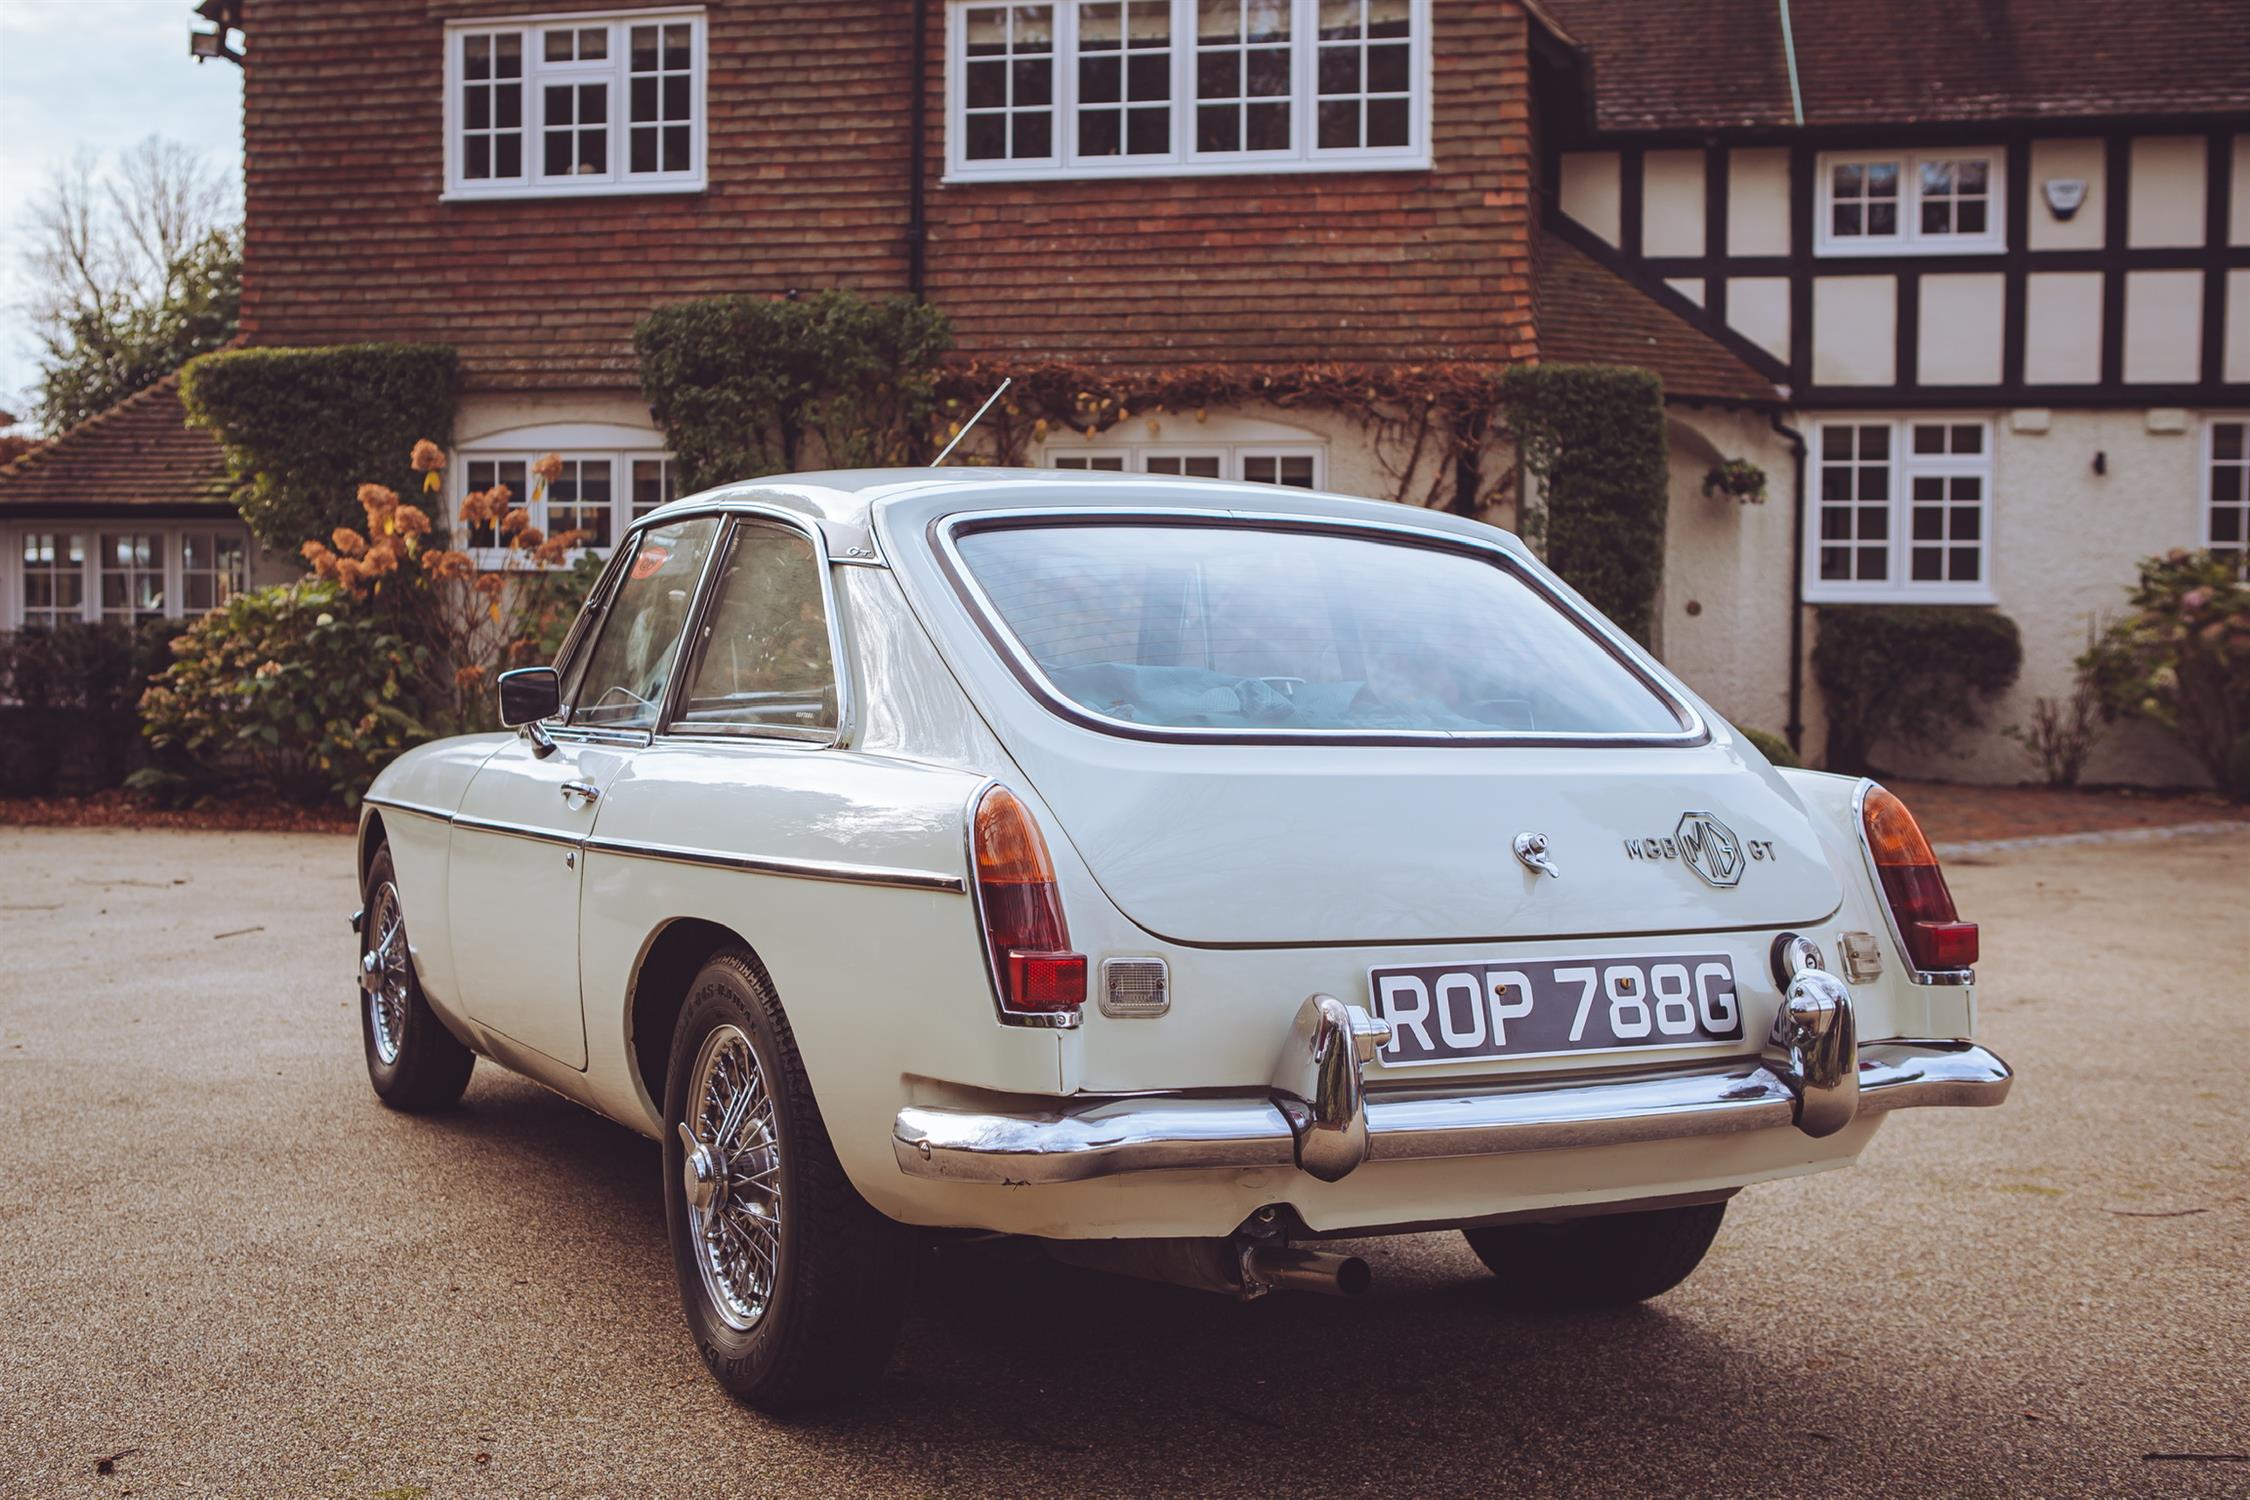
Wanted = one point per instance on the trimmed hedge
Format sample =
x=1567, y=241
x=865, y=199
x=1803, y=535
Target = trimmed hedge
x=303, y=429
x=1914, y=675
x=71, y=725
x=1595, y=435
x=741, y=383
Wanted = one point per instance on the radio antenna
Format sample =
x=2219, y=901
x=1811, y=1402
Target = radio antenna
x=964, y=432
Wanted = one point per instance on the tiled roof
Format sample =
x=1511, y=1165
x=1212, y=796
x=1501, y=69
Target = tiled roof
x=139, y=452
x=1589, y=314
x=1720, y=62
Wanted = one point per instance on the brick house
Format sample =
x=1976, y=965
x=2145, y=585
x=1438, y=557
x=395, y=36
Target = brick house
x=1265, y=184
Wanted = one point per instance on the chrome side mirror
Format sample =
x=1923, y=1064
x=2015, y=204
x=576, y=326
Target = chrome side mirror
x=528, y=695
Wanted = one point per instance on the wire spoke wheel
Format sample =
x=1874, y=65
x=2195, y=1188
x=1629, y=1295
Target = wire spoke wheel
x=732, y=1169
x=384, y=973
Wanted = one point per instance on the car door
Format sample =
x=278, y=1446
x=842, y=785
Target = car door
x=518, y=837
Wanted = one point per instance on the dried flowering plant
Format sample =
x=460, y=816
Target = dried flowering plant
x=474, y=619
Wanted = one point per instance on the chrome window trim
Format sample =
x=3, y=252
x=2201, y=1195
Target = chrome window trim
x=669, y=725
x=643, y=736
x=1883, y=900
x=945, y=532
x=1043, y=1020
x=798, y=869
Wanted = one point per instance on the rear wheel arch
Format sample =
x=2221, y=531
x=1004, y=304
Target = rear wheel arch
x=667, y=966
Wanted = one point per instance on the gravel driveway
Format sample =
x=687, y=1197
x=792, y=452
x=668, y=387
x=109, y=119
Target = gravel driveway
x=222, y=1260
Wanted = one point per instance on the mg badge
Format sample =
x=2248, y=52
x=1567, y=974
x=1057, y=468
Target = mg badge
x=1710, y=848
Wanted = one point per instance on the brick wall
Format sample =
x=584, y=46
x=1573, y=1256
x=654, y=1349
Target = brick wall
x=809, y=159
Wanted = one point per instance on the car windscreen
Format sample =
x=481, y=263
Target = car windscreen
x=1276, y=630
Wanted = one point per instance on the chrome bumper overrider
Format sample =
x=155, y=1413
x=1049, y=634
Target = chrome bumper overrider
x=1812, y=1076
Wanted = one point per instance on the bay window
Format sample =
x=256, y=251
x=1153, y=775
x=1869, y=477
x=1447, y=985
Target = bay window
x=580, y=104
x=1294, y=465
x=121, y=573
x=1163, y=87
x=1902, y=511
x=610, y=477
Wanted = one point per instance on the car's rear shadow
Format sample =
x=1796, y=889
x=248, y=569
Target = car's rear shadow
x=1064, y=1377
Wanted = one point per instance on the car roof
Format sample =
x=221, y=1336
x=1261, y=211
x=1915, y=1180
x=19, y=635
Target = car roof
x=845, y=502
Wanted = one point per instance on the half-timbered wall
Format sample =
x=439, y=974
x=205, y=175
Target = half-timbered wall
x=2136, y=292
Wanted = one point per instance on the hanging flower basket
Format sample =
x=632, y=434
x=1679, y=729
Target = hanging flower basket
x=1737, y=479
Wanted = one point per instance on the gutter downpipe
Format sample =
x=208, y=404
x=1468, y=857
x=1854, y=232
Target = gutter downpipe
x=917, y=93
x=1789, y=49
x=1794, y=730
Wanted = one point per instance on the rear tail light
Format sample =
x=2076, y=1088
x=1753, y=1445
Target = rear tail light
x=1024, y=931
x=1933, y=932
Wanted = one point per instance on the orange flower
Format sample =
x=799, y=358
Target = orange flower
x=411, y=520
x=499, y=497
x=490, y=583
x=427, y=457
x=377, y=500
x=381, y=558
x=322, y=560
x=514, y=521
x=440, y=563
x=467, y=676
x=350, y=572
x=549, y=467
x=476, y=508
x=348, y=542
x=529, y=536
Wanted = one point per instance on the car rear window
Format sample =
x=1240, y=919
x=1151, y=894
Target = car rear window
x=1283, y=631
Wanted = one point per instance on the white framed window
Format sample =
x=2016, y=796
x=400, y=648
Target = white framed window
x=610, y=477
x=52, y=573
x=1926, y=202
x=550, y=106
x=132, y=577
x=1295, y=465
x=1903, y=510
x=1080, y=88
x=2226, y=487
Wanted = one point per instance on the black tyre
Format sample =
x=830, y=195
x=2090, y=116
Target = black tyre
x=1607, y=1260
x=415, y=1063
x=793, y=1286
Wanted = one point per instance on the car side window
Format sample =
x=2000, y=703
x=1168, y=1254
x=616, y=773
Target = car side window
x=762, y=663
x=621, y=685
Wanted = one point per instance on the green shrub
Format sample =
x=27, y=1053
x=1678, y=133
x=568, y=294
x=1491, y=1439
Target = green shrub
x=293, y=689
x=304, y=428
x=2181, y=660
x=1594, y=434
x=1772, y=746
x=1913, y=675
x=740, y=383
x=68, y=724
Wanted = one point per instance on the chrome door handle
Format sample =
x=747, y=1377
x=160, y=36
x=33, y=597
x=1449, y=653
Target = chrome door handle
x=580, y=793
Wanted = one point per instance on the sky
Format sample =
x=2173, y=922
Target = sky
x=98, y=75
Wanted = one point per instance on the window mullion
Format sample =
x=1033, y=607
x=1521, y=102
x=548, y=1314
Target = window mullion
x=1065, y=86
x=1304, y=89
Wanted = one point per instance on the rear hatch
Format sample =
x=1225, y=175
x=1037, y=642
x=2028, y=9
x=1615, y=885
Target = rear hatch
x=1304, y=844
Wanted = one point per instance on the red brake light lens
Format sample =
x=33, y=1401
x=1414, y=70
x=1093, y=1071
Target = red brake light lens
x=1024, y=931
x=1934, y=934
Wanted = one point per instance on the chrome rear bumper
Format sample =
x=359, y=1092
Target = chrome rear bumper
x=1330, y=1129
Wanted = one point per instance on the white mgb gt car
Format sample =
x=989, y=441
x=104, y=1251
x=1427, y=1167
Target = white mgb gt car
x=1178, y=874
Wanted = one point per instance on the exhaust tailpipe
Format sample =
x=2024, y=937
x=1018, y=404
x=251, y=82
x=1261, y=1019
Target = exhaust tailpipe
x=1238, y=1268
x=1292, y=1268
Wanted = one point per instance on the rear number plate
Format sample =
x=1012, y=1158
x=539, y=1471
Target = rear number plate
x=1442, y=1013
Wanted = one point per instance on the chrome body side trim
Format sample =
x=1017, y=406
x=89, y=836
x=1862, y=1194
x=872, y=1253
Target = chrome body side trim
x=516, y=831
x=798, y=869
x=418, y=809
x=1076, y=1139
x=1883, y=899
